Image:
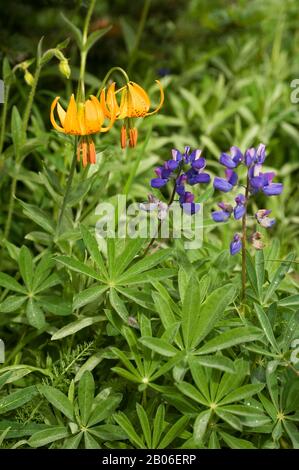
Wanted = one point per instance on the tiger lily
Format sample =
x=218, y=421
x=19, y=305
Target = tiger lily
x=134, y=103
x=83, y=119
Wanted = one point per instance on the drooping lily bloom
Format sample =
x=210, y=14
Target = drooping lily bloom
x=83, y=119
x=134, y=103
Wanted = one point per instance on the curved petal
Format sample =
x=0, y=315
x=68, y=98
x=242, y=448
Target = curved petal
x=71, y=121
x=94, y=115
x=161, y=100
x=52, y=118
x=138, y=100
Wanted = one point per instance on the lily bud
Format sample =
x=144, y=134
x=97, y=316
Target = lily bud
x=64, y=68
x=28, y=77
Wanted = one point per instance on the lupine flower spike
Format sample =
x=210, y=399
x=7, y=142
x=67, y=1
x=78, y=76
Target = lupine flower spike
x=183, y=169
x=257, y=181
x=84, y=119
x=134, y=103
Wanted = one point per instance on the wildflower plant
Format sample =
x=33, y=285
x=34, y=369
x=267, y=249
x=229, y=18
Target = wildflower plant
x=256, y=181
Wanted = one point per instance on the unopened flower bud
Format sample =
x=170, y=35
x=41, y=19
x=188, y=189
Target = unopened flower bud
x=133, y=136
x=28, y=77
x=64, y=68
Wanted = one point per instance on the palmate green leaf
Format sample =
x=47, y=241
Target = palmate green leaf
x=215, y=362
x=118, y=305
x=147, y=276
x=158, y=426
x=108, y=432
x=229, y=381
x=135, y=378
x=55, y=304
x=164, y=309
x=38, y=216
x=18, y=430
x=104, y=409
x=145, y=264
x=190, y=310
x=145, y=425
x=35, y=315
x=58, y=400
x=42, y=271
x=210, y=312
x=200, y=426
x=46, y=436
x=89, y=295
x=142, y=298
x=12, y=303
x=86, y=395
x=290, y=301
x=128, y=428
x=18, y=398
x=26, y=267
x=131, y=249
x=230, y=338
x=279, y=275
x=241, y=393
x=90, y=442
x=79, y=267
x=235, y=442
x=74, y=327
x=10, y=283
x=292, y=432
x=73, y=442
x=93, y=249
x=174, y=432
x=159, y=346
x=191, y=392
x=229, y=418
x=267, y=328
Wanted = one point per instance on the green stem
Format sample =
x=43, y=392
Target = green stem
x=160, y=221
x=3, y=120
x=30, y=99
x=68, y=187
x=11, y=205
x=81, y=83
x=244, y=241
x=112, y=70
x=140, y=30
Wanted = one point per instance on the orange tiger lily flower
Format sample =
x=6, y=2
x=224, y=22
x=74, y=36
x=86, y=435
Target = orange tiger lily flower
x=83, y=119
x=134, y=103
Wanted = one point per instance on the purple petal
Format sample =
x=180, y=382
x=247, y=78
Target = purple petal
x=273, y=189
x=227, y=161
x=222, y=185
x=231, y=176
x=236, y=245
x=190, y=207
x=250, y=156
x=261, y=153
x=257, y=182
x=158, y=182
x=172, y=164
x=199, y=163
x=220, y=216
x=239, y=211
x=176, y=155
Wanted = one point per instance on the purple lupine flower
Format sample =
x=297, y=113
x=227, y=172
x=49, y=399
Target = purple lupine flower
x=226, y=185
x=187, y=203
x=234, y=159
x=240, y=208
x=224, y=214
x=263, y=219
x=236, y=244
x=263, y=182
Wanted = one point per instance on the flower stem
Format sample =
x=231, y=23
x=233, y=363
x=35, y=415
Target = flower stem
x=110, y=72
x=244, y=240
x=30, y=98
x=140, y=30
x=68, y=187
x=171, y=199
